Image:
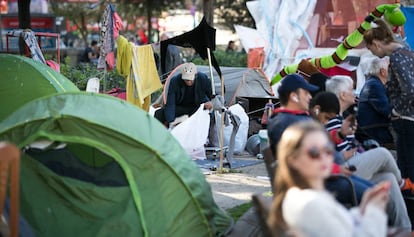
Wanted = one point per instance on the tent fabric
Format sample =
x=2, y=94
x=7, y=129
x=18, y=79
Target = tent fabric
x=253, y=84
x=255, y=57
x=273, y=20
x=22, y=79
x=238, y=81
x=65, y=163
x=166, y=194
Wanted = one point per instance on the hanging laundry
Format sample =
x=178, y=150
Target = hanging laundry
x=137, y=65
x=31, y=42
x=123, y=67
x=110, y=25
x=124, y=57
x=144, y=75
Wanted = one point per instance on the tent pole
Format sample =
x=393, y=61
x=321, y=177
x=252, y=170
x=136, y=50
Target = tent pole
x=104, y=78
x=219, y=131
x=221, y=142
x=213, y=88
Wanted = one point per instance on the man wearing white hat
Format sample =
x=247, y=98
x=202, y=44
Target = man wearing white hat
x=186, y=91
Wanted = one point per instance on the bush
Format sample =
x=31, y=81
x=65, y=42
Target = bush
x=224, y=59
x=80, y=74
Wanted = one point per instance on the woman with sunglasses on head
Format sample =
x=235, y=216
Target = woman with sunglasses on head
x=301, y=203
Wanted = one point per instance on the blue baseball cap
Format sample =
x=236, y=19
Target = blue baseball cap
x=292, y=82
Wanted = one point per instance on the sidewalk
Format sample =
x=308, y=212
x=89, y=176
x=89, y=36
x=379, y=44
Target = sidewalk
x=233, y=189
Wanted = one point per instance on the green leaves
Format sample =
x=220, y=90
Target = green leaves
x=80, y=74
x=224, y=59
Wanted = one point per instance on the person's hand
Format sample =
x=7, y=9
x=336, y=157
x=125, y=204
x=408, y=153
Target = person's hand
x=345, y=170
x=348, y=125
x=377, y=196
x=349, y=153
x=208, y=105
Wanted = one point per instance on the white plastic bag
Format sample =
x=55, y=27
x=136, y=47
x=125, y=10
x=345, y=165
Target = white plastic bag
x=241, y=135
x=192, y=133
x=93, y=85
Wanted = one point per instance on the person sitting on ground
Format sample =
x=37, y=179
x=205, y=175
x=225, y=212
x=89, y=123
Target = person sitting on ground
x=375, y=165
x=91, y=53
x=231, y=47
x=374, y=111
x=305, y=156
x=186, y=92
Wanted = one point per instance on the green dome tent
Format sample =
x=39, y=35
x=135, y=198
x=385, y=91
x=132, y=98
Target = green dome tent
x=109, y=169
x=22, y=80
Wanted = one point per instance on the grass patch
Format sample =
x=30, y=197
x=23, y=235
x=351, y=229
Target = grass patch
x=237, y=211
x=228, y=171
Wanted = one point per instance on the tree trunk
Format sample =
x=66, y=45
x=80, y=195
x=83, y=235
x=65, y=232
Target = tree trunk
x=149, y=16
x=83, y=28
x=24, y=20
x=208, y=11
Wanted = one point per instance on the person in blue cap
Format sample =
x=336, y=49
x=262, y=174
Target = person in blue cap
x=294, y=97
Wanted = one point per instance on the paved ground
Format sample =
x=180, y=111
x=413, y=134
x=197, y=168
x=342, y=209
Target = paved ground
x=233, y=189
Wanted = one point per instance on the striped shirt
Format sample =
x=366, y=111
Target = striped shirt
x=335, y=124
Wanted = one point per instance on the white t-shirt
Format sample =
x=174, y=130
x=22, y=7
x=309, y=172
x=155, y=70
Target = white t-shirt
x=317, y=214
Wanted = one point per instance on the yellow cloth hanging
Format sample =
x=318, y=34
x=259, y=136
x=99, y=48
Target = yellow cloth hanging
x=123, y=57
x=144, y=76
x=123, y=66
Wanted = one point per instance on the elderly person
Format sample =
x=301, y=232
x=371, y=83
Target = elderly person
x=342, y=87
x=186, y=92
x=301, y=203
x=381, y=42
x=373, y=107
x=375, y=165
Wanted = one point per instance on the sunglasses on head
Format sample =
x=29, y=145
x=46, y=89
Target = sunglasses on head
x=315, y=153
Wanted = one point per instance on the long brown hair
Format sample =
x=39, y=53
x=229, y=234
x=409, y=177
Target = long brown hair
x=381, y=32
x=287, y=176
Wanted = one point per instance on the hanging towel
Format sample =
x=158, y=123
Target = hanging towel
x=124, y=68
x=144, y=75
x=124, y=57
